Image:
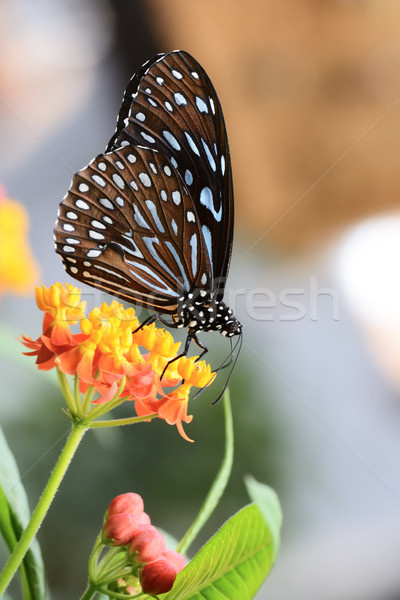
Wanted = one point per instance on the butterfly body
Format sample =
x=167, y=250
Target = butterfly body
x=199, y=311
x=151, y=219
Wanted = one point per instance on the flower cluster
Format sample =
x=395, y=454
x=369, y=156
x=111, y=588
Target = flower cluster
x=127, y=524
x=111, y=350
x=18, y=269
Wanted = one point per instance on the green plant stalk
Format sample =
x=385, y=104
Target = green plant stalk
x=124, y=421
x=219, y=484
x=77, y=432
x=90, y=591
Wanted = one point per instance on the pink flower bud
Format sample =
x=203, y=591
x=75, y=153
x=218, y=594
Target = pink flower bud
x=118, y=529
x=147, y=544
x=157, y=577
x=129, y=503
x=141, y=520
x=175, y=559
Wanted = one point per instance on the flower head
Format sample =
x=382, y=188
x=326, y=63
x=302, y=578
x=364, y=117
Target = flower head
x=112, y=350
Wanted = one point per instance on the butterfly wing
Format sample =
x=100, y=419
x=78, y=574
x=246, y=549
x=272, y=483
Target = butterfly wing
x=172, y=107
x=127, y=227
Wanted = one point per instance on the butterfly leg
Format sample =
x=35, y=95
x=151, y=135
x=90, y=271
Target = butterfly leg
x=191, y=336
x=200, y=345
x=147, y=321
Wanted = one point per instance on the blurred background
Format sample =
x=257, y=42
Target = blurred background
x=311, y=96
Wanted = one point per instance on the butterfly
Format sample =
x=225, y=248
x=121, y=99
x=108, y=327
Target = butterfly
x=150, y=220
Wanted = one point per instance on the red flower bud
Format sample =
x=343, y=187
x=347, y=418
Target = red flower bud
x=118, y=529
x=129, y=503
x=141, y=520
x=177, y=560
x=147, y=544
x=157, y=577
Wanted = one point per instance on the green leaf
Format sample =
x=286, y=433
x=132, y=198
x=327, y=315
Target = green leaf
x=14, y=516
x=268, y=502
x=232, y=564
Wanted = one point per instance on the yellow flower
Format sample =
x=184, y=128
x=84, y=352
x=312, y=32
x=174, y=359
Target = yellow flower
x=113, y=345
x=18, y=269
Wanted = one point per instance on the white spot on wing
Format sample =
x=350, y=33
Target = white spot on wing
x=106, y=203
x=72, y=215
x=95, y=235
x=176, y=197
x=172, y=141
x=99, y=180
x=206, y=199
x=83, y=187
x=201, y=105
x=117, y=179
x=188, y=177
x=180, y=99
x=222, y=164
x=82, y=204
x=193, y=245
x=210, y=157
x=147, y=137
x=93, y=253
x=153, y=210
x=97, y=224
x=192, y=144
x=145, y=179
x=140, y=116
x=176, y=74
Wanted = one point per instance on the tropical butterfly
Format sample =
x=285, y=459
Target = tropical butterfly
x=151, y=219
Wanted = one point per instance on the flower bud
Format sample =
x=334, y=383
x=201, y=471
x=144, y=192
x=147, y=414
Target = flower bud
x=157, y=577
x=147, y=544
x=129, y=503
x=175, y=559
x=141, y=520
x=118, y=529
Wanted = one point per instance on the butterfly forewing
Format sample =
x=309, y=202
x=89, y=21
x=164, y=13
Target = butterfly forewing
x=127, y=226
x=172, y=107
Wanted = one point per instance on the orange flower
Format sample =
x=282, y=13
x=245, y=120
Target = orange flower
x=112, y=346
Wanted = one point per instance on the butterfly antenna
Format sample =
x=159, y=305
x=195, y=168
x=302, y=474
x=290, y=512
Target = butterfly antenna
x=222, y=366
x=239, y=346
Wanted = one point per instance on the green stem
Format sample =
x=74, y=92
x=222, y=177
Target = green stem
x=219, y=484
x=118, y=422
x=66, y=392
x=75, y=436
x=86, y=399
x=90, y=591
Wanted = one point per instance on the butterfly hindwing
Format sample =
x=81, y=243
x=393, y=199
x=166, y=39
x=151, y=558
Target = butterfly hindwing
x=127, y=226
x=171, y=106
